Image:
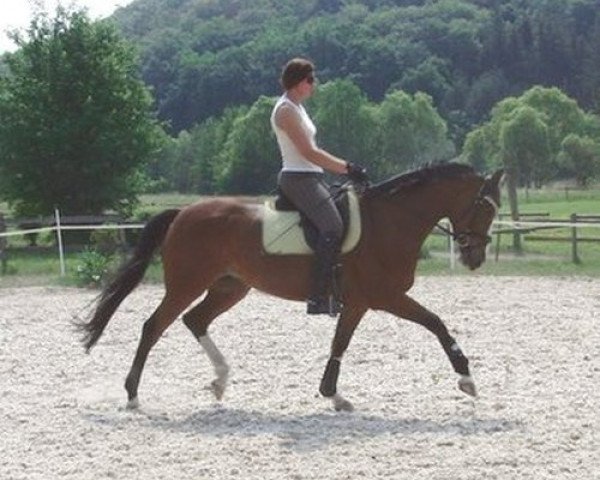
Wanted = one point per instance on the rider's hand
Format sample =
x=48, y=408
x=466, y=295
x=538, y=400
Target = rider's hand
x=357, y=174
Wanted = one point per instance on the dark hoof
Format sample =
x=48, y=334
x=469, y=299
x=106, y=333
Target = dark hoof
x=218, y=389
x=466, y=385
x=328, y=387
x=327, y=391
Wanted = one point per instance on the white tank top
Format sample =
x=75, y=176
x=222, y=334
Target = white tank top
x=291, y=159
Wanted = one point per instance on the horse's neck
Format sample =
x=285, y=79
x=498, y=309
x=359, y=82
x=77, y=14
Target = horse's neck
x=417, y=212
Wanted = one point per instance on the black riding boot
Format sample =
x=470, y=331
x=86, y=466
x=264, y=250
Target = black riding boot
x=323, y=294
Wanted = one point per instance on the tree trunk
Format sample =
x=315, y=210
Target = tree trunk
x=511, y=186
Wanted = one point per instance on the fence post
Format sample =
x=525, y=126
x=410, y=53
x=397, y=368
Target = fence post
x=452, y=254
x=61, y=253
x=498, y=238
x=3, y=246
x=122, y=243
x=574, y=255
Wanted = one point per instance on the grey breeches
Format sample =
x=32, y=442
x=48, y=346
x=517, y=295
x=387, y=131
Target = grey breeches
x=310, y=194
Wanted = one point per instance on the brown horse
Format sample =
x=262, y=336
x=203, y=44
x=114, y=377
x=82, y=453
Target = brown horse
x=214, y=247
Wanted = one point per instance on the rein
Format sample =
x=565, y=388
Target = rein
x=463, y=239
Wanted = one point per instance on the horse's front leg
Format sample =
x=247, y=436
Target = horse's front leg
x=347, y=323
x=409, y=309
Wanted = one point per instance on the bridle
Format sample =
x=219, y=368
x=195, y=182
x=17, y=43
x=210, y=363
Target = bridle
x=465, y=239
x=468, y=238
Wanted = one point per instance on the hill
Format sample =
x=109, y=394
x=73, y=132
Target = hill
x=201, y=56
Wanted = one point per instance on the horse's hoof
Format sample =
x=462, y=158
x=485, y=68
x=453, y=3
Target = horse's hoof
x=218, y=389
x=466, y=385
x=341, y=404
x=133, y=404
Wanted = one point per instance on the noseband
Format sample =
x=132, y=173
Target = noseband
x=467, y=238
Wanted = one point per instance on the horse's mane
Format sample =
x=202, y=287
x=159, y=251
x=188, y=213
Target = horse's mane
x=420, y=176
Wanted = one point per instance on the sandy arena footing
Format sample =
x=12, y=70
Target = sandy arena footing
x=533, y=343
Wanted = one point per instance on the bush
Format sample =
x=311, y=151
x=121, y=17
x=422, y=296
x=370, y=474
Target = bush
x=105, y=242
x=92, y=269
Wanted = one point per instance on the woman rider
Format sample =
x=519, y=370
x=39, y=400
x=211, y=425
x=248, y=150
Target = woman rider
x=302, y=177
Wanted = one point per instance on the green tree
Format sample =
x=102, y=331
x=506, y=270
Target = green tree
x=476, y=149
x=485, y=92
x=431, y=76
x=192, y=162
x=590, y=67
x=526, y=135
x=203, y=56
x=251, y=160
x=410, y=132
x=75, y=121
x=345, y=122
x=582, y=156
x=157, y=169
x=183, y=159
x=525, y=151
x=524, y=146
x=561, y=116
x=209, y=139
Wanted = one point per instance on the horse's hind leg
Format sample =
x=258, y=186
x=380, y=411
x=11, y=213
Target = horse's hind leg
x=154, y=327
x=222, y=295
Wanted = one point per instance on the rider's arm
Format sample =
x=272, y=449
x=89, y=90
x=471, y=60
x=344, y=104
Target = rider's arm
x=289, y=120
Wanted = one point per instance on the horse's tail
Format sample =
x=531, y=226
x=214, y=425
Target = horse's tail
x=128, y=277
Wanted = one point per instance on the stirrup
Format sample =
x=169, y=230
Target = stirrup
x=323, y=305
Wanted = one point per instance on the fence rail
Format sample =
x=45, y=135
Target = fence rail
x=59, y=224
x=533, y=222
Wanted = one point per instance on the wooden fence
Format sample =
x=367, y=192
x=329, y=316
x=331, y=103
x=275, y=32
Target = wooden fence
x=537, y=222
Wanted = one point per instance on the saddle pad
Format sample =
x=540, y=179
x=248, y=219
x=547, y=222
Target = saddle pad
x=282, y=234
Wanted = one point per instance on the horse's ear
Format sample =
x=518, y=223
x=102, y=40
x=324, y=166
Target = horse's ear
x=492, y=182
x=497, y=177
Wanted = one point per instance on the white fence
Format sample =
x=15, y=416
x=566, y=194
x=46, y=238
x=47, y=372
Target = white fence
x=59, y=228
x=497, y=225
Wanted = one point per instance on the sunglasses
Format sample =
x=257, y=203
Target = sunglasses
x=310, y=79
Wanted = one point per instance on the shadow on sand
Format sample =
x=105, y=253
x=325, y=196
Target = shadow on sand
x=304, y=432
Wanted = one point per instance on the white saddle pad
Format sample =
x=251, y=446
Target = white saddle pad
x=282, y=234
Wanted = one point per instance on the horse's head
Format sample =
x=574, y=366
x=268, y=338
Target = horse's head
x=472, y=226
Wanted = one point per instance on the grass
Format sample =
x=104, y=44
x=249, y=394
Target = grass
x=151, y=204
x=513, y=266
x=41, y=266
x=560, y=204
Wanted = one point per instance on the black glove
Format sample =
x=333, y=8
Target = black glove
x=357, y=174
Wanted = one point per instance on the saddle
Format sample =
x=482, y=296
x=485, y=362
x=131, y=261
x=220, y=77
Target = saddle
x=286, y=231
